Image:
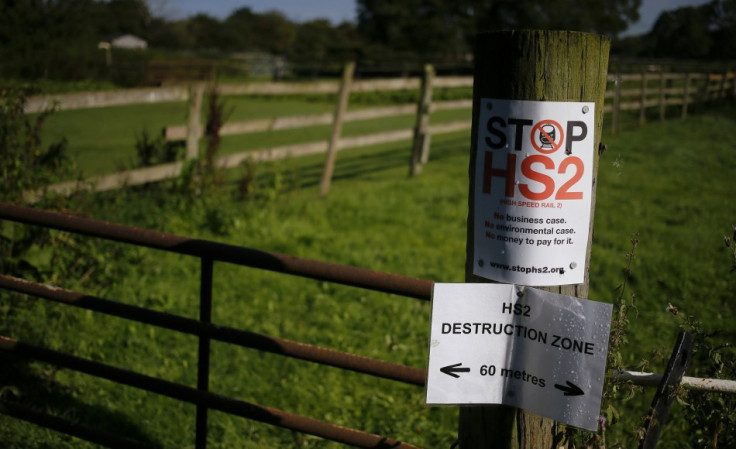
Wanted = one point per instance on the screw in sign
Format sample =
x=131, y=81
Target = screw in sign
x=546, y=133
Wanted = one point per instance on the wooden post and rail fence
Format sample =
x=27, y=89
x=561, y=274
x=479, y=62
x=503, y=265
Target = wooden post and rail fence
x=644, y=91
x=627, y=93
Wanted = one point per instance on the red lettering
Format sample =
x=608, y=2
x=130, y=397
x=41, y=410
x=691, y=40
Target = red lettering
x=509, y=173
x=528, y=171
x=564, y=193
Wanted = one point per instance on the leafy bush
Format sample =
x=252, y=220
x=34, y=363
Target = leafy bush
x=38, y=254
x=154, y=151
x=27, y=164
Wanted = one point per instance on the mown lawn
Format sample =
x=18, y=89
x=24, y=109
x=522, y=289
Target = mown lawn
x=671, y=184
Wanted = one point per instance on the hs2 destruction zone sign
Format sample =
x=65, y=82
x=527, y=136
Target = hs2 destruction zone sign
x=527, y=348
x=533, y=181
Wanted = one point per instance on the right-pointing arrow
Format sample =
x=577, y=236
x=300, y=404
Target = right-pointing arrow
x=570, y=390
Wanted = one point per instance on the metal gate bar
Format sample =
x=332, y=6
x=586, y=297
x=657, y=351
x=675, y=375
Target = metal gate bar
x=282, y=263
x=184, y=393
x=203, y=352
x=75, y=429
x=302, y=351
x=208, y=252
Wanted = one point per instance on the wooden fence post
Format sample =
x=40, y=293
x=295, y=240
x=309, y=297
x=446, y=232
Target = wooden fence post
x=420, y=149
x=704, y=96
x=616, y=119
x=723, y=94
x=662, y=103
x=686, y=96
x=194, y=125
x=342, y=105
x=530, y=65
x=643, y=99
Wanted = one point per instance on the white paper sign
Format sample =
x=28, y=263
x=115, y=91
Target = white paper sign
x=533, y=181
x=536, y=350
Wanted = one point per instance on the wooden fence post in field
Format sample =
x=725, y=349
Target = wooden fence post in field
x=616, y=118
x=535, y=66
x=724, y=87
x=194, y=124
x=420, y=149
x=662, y=91
x=686, y=95
x=643, y=99
x=342, y=105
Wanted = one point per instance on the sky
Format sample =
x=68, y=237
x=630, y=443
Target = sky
x=345, y=10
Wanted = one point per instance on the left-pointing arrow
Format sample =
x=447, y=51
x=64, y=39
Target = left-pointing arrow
x=450, y=370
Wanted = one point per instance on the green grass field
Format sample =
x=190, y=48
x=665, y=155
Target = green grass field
x=102, y=141
x=671, y=183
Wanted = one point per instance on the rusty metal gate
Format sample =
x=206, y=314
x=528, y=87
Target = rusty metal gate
x=208, y=252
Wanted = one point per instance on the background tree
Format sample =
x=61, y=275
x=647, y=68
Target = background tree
x=723, y=26
x=206, y=32
x=241, y=26
x=681, y=33
x=314, y=40
x=55, y=39
x=166, y=34
x=123, y=17
x=47, y=39
x=425, y=28
x=432, y=27
x=274, y=33
x=692, y=32
x=58, y=39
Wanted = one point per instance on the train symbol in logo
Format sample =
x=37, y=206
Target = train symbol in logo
x=547, y=136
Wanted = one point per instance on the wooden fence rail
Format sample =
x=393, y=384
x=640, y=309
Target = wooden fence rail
x=90, y=100
x=646, y=90
x=179, y=132
x=627, y=92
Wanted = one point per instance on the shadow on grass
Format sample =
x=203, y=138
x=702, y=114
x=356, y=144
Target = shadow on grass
x=33, y=387
x=353, y=164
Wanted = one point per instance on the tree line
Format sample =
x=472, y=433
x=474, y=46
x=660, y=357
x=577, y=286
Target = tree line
x=57, y=39
x=705, y=32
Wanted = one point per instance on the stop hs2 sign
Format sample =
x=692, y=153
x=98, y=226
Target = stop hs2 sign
x=533, y=183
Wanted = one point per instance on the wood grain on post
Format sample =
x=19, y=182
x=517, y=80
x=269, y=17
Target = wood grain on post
x=420, y=149
x=537, y=66
x=686, y=96
x=342, y=105
x=662, y=95
x=643, y=100
x=615, y=122
x=194, y=125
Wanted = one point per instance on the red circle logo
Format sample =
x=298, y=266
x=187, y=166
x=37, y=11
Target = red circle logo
x=547, y=136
